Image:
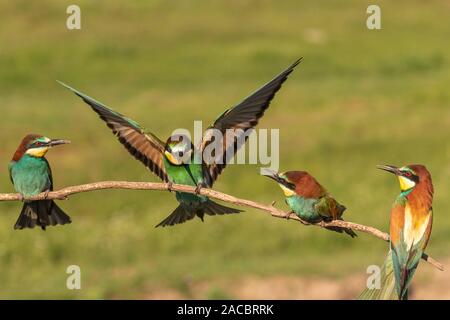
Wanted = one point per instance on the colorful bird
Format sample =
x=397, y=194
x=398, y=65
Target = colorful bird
x=410, y=230
x=30, y=174
x=178, y=161
x=308, y=199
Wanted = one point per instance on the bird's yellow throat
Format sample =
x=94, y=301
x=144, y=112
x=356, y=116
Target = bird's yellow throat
x=287, y=192
x=171, y=158
x=37, y=152
x=405, y=183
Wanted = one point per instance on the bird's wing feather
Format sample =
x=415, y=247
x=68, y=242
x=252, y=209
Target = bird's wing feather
x=428, y=229
x=243, y=116
x=50, y=176
x=405, y=262
x=144, y=146
x=327, y=206
x=415, y=251
x=10, y=166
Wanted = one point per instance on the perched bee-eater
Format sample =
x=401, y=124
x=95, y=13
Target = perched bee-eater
x=178, y=161
x=30, y=174
x=410, y=230
x=308, y=199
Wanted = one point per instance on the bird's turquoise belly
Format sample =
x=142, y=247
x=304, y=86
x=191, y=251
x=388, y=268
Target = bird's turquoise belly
x=30, y=176
x=304, y=208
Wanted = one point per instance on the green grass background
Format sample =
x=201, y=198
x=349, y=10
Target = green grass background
x=358, y=99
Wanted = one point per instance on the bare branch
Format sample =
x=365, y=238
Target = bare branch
x=62, y=194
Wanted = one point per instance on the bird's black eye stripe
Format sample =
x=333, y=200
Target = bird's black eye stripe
x=291, y=185
x=286, y=183
x=411, y=176
x=36, y=144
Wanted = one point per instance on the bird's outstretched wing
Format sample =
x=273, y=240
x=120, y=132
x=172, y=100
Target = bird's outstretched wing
x=144, y=146
x=243, y=116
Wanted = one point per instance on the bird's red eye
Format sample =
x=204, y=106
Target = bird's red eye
x=408, y=174
x=38, y=144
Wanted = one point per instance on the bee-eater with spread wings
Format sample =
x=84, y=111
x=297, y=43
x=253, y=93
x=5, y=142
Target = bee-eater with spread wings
x=308, y=199
x=410, y=230
x=30, y=174
x=177, y=160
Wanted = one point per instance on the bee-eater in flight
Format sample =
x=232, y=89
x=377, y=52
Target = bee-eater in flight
x=163, y=159
x=410, y=229
x=30, y=174
x=308, y=199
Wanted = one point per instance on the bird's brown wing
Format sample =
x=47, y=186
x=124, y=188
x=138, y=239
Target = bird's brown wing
x=327, y=206
x=144, y=146
x=244, y=116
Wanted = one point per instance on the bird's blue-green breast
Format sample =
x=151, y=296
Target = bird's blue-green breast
x=30, y=175
x=304, y=208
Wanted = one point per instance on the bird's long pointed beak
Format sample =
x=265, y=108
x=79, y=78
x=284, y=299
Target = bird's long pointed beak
x=389, y=168
x=270, y=174
x=57, y=142
x=275, y=176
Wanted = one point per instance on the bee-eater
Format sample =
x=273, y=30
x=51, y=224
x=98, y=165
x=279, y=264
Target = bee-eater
x=30, y=174
x=308, y=199
x=410, y=229
x=163, y=159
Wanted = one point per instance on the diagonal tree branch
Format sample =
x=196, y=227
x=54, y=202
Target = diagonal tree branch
x=62, y=194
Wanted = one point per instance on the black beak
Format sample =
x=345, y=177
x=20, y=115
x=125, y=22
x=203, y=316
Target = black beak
x=270, y=174
x=391, y=169
x=57, y=142
x=274, y=175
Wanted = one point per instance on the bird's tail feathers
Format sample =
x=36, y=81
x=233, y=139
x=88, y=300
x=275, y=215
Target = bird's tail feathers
x=405, y=267
x=387, y=289
x=183, y=213
x=179, y=215
x=42, y=213
x=212, y=208
x=348, y=231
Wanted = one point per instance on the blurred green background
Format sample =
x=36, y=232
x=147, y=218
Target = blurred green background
x=358, y=99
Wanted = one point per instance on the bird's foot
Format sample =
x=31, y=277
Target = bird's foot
x=198, y=188
x=170, y=186
x=46, y=194
x=288, y=215
x=21, y=197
